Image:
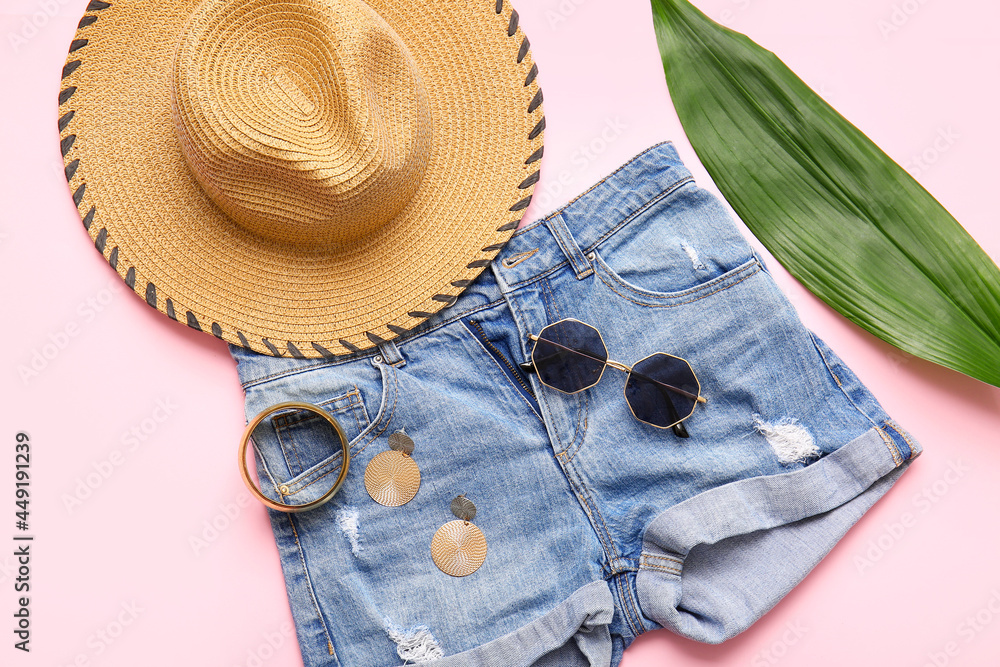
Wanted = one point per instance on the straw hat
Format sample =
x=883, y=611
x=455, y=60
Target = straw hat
x=303, y=178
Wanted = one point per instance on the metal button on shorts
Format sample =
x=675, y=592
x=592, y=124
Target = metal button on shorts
x=600, y=526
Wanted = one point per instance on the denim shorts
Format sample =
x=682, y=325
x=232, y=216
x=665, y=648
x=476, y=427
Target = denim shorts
x=599, y=526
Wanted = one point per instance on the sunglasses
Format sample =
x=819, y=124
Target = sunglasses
x=661, y=390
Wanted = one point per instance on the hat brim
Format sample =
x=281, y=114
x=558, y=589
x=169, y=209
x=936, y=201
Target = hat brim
x=177, y=250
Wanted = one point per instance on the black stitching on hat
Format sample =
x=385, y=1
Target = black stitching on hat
x=478, y=264
x=378, y=340
x=521, y=205
x=421, y=315
x=512, y=26
x=192, y=321
x=538, y=129
x=499, y=6
x=294, y=351
x=532, y=73
x=170, y=310
x=460, y=284
x=78, y=195
x=96, y=5
x=65, y=94
x=150, y=293
x=529, y=181
x=491, y=248
x=130, y=281
x=87, y=219
x=216, y=330
x=509, y=226
x=78, y=44
x=113, y=259
x=243, y=340
x=350, y=346
x=271, y=347
x=70, y=67
x=523, y=51
x=535, y=101
x=102, y=238
x=536, y=156
x=322, y=350
x=85, y=21
x=446, y=299
x=65, y=119
x=71, y=169
x=66, y=144
x=400, y=331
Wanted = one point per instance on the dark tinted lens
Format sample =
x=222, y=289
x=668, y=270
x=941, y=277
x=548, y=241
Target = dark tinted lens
x=569, y=356
x=651, y=390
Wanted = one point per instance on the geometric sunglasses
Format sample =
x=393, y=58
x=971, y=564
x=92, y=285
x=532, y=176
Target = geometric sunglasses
x=661, y=389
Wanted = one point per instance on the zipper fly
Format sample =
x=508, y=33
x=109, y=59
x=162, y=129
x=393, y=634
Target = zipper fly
x=514, y=373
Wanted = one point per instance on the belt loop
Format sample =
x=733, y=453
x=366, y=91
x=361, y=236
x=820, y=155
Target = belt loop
x=391, y=354
x=581, y=266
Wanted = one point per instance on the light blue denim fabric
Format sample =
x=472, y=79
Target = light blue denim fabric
x=599, y=526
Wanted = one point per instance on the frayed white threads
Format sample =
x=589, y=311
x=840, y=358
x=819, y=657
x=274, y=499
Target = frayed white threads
x=790, y=440
x=693, y=256
x=347, y=521
x=414, y=645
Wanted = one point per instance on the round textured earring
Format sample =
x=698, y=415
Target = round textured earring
x=459, y=547
x=392, y=478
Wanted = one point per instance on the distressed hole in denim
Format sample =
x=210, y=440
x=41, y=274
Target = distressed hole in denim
x=693, y=256
x=414, y=645
x=347, y=521
x=790, y=440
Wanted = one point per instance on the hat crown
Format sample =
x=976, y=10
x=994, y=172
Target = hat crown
x=305, y=121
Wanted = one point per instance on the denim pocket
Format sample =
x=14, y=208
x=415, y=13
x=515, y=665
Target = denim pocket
x=679, y=242
x=304, y=437
x=644, y=297
x=296, y=450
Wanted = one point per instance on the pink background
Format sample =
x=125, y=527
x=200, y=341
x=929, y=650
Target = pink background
x=905, y=587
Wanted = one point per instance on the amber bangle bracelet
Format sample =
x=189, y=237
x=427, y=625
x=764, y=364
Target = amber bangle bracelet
x=245, y=471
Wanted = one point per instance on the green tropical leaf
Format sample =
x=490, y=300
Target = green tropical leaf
x=849, y=223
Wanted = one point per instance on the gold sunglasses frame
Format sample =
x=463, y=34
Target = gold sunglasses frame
x=698, y=398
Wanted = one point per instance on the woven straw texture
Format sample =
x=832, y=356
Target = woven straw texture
x=303, y=178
